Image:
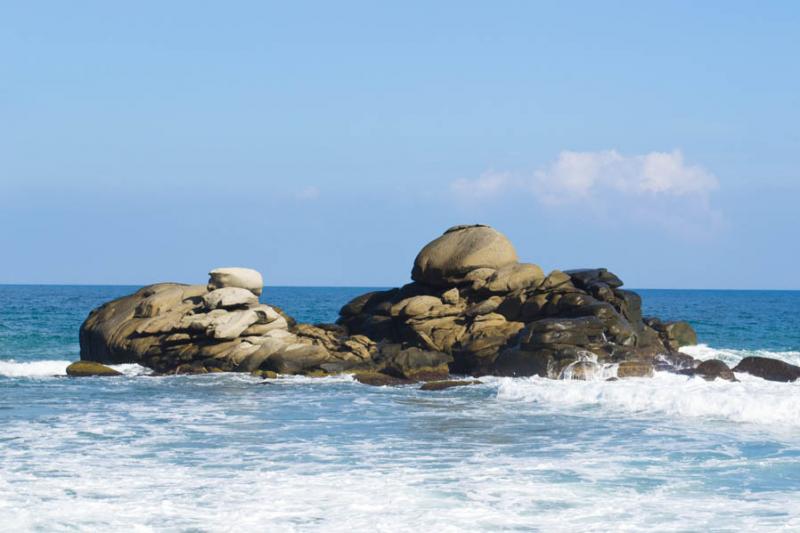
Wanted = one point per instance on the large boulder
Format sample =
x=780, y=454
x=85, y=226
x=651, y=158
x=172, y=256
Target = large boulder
x=769, y=369
x=446, y=260
x=243, y=278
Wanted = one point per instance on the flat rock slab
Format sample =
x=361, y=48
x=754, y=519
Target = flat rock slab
x=90, y=368
x=378, y=379
x=442, y=385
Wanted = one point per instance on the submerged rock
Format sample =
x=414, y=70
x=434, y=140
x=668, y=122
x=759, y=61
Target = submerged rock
x=442, y=385
x=379, y=379
x=769, y=369
x=713, y=369
x=90, y=368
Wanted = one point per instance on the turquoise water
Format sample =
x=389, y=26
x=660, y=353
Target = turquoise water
x=226, y=452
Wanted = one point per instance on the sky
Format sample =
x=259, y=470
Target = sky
x=324, y=143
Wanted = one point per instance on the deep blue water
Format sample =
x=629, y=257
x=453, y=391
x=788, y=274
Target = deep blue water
x=226, y=452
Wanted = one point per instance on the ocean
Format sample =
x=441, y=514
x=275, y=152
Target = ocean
x=228, y=452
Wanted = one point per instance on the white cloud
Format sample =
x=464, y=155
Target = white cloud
x=658, y=187
x=308, y=193
x=488, y=184
x=583, y=175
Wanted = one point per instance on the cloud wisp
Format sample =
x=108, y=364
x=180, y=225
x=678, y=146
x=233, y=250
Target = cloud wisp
x=578, y=175
x=660, y=187
x=309, y=192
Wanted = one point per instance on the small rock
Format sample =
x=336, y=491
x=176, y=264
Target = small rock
x=450, y=296
x=90, y=368
x=442, y=385
x=264, y=374
x=378, y=379
x=713, y=369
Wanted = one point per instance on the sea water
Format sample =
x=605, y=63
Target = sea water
x=228, y=452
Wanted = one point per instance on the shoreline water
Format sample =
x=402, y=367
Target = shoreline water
x=205, y=452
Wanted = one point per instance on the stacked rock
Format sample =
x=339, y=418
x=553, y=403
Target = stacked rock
x=180, y=328
x=472, y=308
x=472, y=300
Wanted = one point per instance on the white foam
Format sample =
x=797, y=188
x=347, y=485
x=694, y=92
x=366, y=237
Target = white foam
x=751, y=400
x=122, y=466
x=33, y=369
x=53, y=368
x=732, y=356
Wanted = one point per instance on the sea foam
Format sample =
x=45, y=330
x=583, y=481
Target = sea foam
x=751, y=400
x=732, y=356
x=54, y=368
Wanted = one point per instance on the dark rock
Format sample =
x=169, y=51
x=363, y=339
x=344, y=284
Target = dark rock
x=680, y=360
x=576, y=331
x=713, y=369
x=630, y=305
x=584, y=277
x=511, y=306
x=378, y=379
x=442, y=385
x=476, y=356
x=264, y=374
x=514, y=362
x=365, y=302
x=769, y=369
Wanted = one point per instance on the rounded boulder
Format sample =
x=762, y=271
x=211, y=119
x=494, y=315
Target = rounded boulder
x=243, y=278
x=446, y=260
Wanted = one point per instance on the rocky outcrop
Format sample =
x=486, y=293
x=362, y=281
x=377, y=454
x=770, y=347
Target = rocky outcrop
x=179, y=328
x=472, y=308
x=473, y=300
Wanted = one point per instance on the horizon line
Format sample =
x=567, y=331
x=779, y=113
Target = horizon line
x=380, y=287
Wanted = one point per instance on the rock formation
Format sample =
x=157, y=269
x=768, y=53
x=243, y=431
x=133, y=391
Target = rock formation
x=472, y=308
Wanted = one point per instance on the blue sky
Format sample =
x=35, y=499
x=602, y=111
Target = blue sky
x=325, y=143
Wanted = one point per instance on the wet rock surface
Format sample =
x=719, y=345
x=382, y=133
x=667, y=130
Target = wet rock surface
x=769, y=369
x=89, y=369
x=472, y=309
